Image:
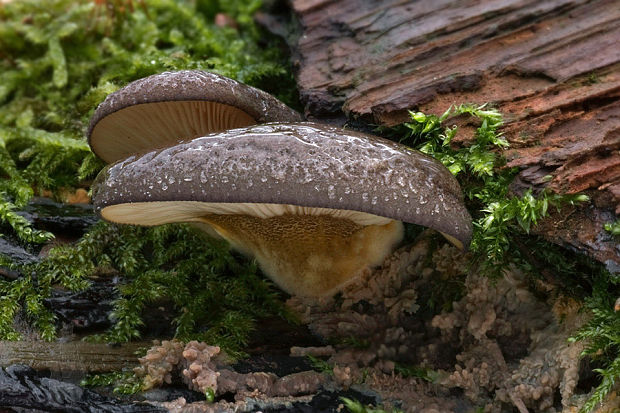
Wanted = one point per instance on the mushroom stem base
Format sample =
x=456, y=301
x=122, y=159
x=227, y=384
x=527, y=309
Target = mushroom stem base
x=310, y=256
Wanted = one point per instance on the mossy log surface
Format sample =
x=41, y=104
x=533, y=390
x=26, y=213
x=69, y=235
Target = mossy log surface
x=551, y=67
x=76, y=356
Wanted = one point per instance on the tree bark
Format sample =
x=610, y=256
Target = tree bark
x=552, y=67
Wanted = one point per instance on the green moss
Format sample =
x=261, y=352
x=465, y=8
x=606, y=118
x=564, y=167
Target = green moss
x=58, y=61
x=592, y=79
x=499, y=217
x=321, y=366
x=425, y=374
x=215, y=296
x=351, y=341
x=354, y=406
x=209, y=395
x=122, y=382
x=613, y=227
x=601, y=335
x=60, y=58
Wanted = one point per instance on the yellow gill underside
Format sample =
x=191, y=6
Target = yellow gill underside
x=158, y=213
x=308, y=255
x=306, y=251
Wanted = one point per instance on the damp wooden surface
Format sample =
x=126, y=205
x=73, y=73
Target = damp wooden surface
x=75, y=356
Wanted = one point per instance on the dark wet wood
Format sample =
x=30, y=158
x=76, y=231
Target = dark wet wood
x=70, y=357
x=553, y=68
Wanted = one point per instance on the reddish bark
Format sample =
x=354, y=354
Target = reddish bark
x=552, y=67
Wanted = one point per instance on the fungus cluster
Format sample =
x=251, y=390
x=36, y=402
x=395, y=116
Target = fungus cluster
x=313, y=204
x=203, y=368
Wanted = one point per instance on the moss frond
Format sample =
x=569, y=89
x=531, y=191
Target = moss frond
x=61, y=58
x=613, y=228
x=601, y=336
x=122, y=382
x=215, y=296
x=58, y=61
x=499, y=217
x=354, y=406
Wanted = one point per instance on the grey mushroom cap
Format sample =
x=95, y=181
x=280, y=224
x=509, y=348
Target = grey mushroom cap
x=170, y=107
x=301, y=164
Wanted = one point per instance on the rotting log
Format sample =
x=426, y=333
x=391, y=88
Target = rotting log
x=552, y=67
x=75, y=357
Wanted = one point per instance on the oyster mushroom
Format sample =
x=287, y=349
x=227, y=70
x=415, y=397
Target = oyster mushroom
x=313, y=204
x=164, y=109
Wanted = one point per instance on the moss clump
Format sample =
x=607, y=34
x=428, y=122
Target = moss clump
x=602, y=336
x=215, y=296
x=122, y=382
x=320, y=365
x=499, y=217
x=58, y=61
x=613, y=227
x=354, y=406
x=60, y=58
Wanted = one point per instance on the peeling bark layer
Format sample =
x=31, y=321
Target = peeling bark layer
x=552, y=67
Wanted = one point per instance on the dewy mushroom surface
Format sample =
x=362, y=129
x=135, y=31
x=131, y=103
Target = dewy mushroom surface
x=164, y=109
x=313, y=204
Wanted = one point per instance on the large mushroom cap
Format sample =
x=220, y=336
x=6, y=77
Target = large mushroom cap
x=164, y=109
x=305, y=179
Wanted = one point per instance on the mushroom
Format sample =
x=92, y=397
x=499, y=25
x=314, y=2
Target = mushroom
x=163, y=109
x=313, y=204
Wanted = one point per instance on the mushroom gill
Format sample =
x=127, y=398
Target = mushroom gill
x=163, y=109
x=313, y=204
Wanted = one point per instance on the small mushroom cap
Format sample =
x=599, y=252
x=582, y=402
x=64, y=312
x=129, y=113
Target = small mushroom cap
x=164, y=109
x=298, y=167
